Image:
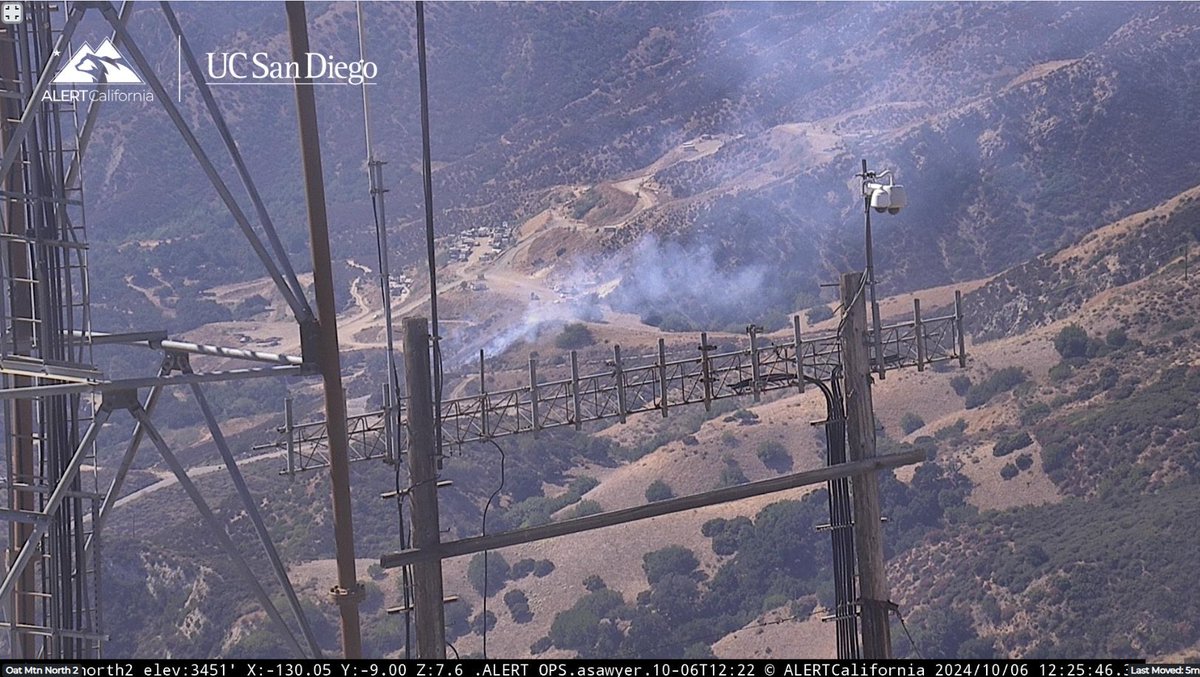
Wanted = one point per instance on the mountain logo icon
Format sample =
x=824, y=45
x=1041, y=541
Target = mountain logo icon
x=103, y=65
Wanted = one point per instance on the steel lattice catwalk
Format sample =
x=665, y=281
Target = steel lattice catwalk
x=660, y=385
x=54, y=610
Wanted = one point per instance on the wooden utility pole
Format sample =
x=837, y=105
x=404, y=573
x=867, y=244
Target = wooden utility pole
x=347, y=593
x=860, y=431
x=422, y=473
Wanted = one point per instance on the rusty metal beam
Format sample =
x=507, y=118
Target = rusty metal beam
x=347, y=591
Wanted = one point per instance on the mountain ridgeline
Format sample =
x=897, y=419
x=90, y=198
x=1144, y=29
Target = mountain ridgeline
x=1016, y=127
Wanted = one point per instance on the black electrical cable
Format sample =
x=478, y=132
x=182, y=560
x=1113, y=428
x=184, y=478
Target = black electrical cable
x=427, y=175
x=383, y=291
x=404, y=572
x=426, y=163
x=405, y=582
x=483, y=529
x=451, y=645
x=846, y=306
x=906, y=632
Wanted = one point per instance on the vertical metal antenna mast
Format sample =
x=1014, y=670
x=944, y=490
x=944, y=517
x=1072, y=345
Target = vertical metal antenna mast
x=391, y=403
x=375, y=174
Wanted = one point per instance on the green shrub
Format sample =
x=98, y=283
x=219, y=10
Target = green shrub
x=731, y=474
x=910, y=423
x=952, y=431
x=1177, y=325
x=522, y=568
x=673, y=559
x=482, y=620
x=742, y=417
x=1122, y=391
x=543, y=568
x=1000, y=381
x=774, y=455
x=658, y=491
x=574, y=629
x=583, y=509
x=574, y=336
x=818, y=314
x=593, y=583
x=1055, y=456
x=1010, y=443
x=960, y=383
x=1116, y=338
x=676, y=322
x=518, y=606
x=1059, y=401
x=1071, y=341
x=1060, y=372
x=458, y=619
x=541, y=646
x=497, y=572
x=1108, y=378
x=1035, y=412
x=583, y=484
x=1024, y=461
x=728, y=535
x=578, y=628
x=1009, y=471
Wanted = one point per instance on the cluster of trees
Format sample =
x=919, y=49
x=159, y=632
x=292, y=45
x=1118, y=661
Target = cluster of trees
x=1083, y=562
x=1127, y=438
x=767, y=562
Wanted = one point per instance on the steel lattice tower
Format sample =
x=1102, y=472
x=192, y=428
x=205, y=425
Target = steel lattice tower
x=54, y=610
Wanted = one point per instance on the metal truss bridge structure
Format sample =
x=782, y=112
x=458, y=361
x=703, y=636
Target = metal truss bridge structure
x=571, y=399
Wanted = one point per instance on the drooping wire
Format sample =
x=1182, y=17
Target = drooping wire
x=451, y=645
x=483, y=530
x=896, y=610
x=846, y=306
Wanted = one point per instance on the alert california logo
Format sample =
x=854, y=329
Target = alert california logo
x=87, y=75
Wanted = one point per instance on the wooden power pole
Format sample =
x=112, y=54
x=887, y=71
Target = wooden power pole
x=422, y=470
x=860, y=432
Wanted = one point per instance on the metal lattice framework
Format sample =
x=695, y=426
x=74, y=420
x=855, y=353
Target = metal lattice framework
x=55, y=401
x=623, y=390
x=43, y=277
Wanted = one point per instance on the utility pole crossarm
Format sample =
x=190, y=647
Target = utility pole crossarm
x=770, y=485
